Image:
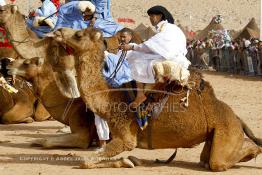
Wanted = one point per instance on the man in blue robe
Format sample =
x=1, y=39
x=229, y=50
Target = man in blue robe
x=102, y=18
x=123, y=74
x=72, y=15
x=46, y=15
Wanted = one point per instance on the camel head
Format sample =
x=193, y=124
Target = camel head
x=7, y=14
x=27, y=68
x=81, y=41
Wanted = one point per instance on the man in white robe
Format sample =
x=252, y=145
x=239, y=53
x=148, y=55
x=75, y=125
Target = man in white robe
x=168, y=44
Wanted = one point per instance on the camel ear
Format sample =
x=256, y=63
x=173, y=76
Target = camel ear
x=27, y=61
x=36, y=60
x=14, y=9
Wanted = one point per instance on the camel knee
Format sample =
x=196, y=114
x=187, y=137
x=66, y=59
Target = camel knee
x=130, y=145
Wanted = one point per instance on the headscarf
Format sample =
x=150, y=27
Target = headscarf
x=161, y=10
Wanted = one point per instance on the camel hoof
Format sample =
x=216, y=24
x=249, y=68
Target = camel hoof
x=135, y=160
x=87, y=165
x=128, y=163
x=28, y=120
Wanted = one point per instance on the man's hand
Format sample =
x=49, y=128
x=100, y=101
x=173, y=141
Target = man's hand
x=126, y=47
x=92, y=21
x=32, y=13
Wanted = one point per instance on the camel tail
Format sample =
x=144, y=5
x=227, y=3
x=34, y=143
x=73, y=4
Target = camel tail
x=250, y=134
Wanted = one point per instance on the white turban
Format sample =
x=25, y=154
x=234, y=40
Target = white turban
x=87, y=4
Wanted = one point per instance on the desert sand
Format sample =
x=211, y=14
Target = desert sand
x=243, y=94
x=196, y=14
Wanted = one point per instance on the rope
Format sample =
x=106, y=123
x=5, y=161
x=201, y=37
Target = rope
x=119, y=64
x=11, y=40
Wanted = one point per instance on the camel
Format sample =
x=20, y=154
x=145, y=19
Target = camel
x=20, y=107
x=206, y=119
x=71, y=112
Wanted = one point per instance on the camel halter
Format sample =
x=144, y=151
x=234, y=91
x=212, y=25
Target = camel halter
x=11, y=40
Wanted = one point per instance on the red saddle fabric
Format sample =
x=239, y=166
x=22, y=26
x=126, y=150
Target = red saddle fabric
x=4, y=42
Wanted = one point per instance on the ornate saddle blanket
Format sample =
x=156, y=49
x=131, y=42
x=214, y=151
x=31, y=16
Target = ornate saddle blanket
x=158, y=96
x=151, y=108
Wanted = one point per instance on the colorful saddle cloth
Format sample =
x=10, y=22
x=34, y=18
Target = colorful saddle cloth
x=146, y=109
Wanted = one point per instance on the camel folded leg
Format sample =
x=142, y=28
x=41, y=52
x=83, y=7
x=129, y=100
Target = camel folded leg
x=64, y=141
x=41, y=113
x=120, y=163
x=20, y=113
x=225, y=148
x=249, y=151
x=126, y=141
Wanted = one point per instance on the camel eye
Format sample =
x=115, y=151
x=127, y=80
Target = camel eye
x=27, y=62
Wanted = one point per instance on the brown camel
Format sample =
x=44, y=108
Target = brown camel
x=20, y=107
x=71, y=112
x=207, y=119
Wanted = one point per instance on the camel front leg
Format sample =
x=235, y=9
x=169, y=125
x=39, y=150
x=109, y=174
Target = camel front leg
x=64, y=141
x=20, y=113
x=126, y=141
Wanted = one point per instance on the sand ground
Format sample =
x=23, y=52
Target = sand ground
x=243, y=94
x=196, y=14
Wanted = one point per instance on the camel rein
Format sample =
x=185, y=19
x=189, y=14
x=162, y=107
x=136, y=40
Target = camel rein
x=118, y=65
x=11, y=40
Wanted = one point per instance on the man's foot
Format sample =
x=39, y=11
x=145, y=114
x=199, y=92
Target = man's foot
x=138, y=101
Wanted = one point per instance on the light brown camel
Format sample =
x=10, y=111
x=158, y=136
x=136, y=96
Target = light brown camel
x=71, y=112
x=207, y=119
x=20, y=107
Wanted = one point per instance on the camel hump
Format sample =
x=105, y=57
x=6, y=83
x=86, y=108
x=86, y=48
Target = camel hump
x=250, y=134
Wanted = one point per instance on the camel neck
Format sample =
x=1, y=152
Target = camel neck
x=93, y=87
x=46, y=87
x=20, y=38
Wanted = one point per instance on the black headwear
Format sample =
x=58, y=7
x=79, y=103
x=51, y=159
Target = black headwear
x=161, y=10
